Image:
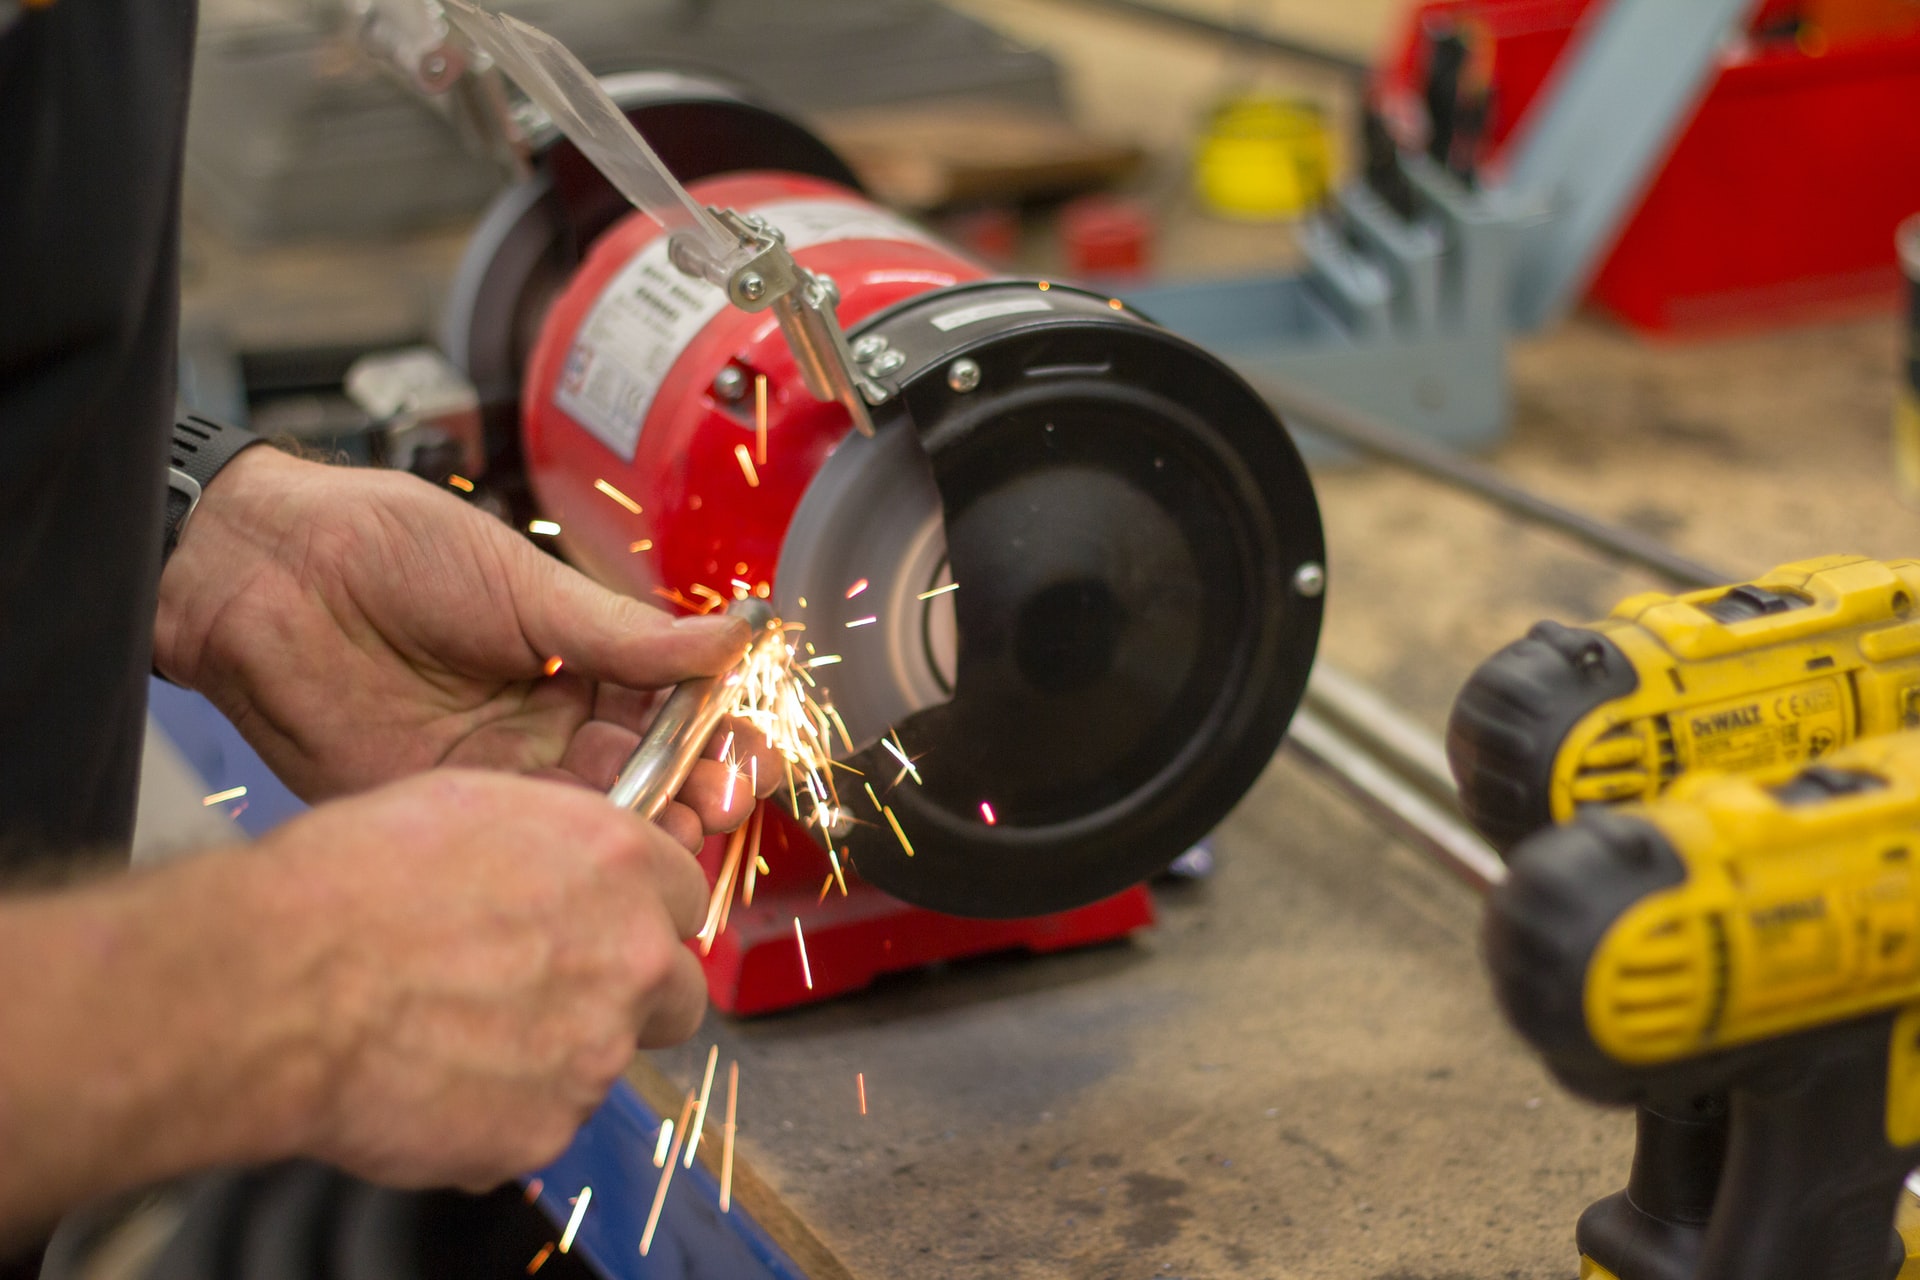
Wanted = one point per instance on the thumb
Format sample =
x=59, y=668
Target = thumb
x=603, y=635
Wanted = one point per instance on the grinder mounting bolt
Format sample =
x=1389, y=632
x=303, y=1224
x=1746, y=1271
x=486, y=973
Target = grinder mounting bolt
x=963, y=375
x=1310, y=579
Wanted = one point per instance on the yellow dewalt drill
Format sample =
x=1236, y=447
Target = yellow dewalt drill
x=1761, y=676
x=1747, y=939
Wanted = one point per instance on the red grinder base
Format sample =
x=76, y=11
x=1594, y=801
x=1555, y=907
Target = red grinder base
x=755, y=965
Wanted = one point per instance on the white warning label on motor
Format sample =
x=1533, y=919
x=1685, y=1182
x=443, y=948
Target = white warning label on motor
x=650, y=312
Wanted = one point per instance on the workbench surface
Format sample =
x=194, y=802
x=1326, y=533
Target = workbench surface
x=1299, y=1071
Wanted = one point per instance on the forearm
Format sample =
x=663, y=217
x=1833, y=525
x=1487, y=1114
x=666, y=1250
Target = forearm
x=149, y=1025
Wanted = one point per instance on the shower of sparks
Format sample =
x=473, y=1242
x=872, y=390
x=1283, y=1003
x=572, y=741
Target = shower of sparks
x=898, y=833
x=867, y=621
x=760, y=417
x=552, y=665
x=860, y=1078
x=824, y=660
x=700, y=1108
x=856, y=588
x=660, y=1145
x=726, y=1138
x=986, y=814
x=624, y=501
x=746, y=466
x=898, y=752
x=221, y=797
x=938, y=591
x=806, y=970
x=573, y=1223
x=545, y=528
x=666, y=1178
x=642, y=544
x=461, y=483
x=540, y=1258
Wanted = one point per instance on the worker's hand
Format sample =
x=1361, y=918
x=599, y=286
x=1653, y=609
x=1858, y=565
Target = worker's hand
x=361, y=625
x=432, y=983
x=481, y=954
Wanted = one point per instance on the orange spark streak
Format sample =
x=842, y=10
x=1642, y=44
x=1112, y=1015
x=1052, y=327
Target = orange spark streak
x=746, y=466
x=666, y=1178
x=534, y=1188
x=806, y=970
x=837, y=873
x=546, y=528
x=573, y=1224
x=726, y=1146
x=221, y=797
x=722, y=889
x=986, y=813
x=867, y=621
x=826, y=887
x=760, y=417
x=938, y=591
x=700, y=1111
x=552, y=665
x=620, y=498
x=860, y=1078
x=644, y=544
x=461, y=483
x=856, y=588
x=662, y=1143
x=895, y=824
x=540, y=1258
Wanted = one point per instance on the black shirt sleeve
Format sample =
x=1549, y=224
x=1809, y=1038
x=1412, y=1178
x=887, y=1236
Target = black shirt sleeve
x=94, y=95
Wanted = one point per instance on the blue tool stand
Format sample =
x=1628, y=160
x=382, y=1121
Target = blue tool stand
x=612, y=1153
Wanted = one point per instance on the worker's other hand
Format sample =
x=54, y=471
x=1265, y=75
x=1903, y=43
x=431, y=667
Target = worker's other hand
x=361, y=625
x=476, y=957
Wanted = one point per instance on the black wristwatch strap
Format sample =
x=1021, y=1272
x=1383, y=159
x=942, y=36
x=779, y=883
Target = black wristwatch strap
x=201, y=447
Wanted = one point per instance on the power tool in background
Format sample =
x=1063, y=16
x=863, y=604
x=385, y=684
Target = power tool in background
x=1760, y=938
x=1761, y=678
x=1766, y=675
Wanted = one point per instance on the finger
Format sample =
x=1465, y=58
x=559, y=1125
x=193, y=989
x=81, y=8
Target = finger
x=761, y=765
x=684, y=825
x=677, y=1006
x=607, y=636
x=720, y=796
x=598, y=751
x=678, y=881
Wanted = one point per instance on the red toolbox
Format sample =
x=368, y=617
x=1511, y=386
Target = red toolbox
x=1778, y=201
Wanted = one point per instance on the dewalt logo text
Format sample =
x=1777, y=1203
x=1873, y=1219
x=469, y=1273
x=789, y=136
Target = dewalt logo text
x=1726, y=721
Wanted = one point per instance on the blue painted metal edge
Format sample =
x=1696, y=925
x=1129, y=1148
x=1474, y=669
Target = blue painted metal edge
x=613, y=1154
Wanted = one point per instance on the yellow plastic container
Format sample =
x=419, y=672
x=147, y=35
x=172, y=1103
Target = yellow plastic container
x=1264, y=159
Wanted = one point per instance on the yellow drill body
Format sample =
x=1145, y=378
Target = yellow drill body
x=1761, y=677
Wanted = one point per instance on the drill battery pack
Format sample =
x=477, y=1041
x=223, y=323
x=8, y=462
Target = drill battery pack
x=1761, y=677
